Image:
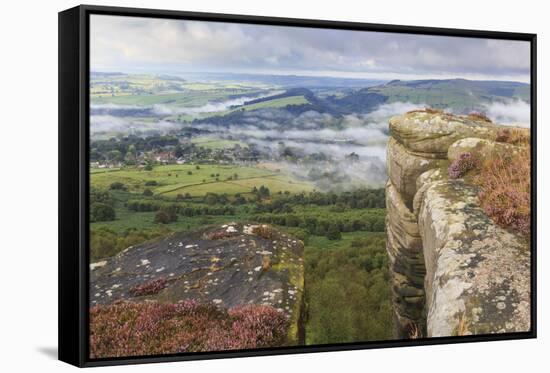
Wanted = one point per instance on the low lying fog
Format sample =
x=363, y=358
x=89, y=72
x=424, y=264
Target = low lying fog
x=308, y=134
x=513, y=112
x=312, y=133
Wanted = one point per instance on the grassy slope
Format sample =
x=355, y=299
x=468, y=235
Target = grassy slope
x=457, y=94
x=154, y=92
x=278, y=102
x=174, y=179
x=157, y=90
x=213, y=143
x=275, y=103
x=184, y=99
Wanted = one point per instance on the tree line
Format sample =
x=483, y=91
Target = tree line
x=330, y=226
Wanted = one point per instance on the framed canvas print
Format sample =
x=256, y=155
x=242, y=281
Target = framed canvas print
x=234, y=186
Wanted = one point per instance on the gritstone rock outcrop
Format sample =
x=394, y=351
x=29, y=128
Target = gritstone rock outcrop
x=454, y=271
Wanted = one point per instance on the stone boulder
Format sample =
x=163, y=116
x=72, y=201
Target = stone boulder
x=479, y=148
x=429, y=134
x=228, y=265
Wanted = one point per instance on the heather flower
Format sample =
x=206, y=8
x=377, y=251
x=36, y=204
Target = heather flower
x=460, y=166
x=131, y=329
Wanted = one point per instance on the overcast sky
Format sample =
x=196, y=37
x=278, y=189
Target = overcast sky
x=156, y=45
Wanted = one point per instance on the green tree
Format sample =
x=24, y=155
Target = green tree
x=333, y=232
x=114, y=155
x=101, y=212
x=117, y=186
x=99, y=195
x=165, y=217
x=211, y=198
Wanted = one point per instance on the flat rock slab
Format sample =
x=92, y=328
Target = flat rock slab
x=228, y=265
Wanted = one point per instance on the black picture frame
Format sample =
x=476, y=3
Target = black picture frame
x=73, y=254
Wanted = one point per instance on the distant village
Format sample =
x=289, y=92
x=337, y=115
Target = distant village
x=119, y=153
x=145, y=152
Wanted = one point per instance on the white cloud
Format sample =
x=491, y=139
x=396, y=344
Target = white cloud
x=109, y=123
x=130, y=42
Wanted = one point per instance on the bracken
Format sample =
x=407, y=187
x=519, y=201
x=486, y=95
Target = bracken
x=514, y=136
x=505, y=195
x=479, y=117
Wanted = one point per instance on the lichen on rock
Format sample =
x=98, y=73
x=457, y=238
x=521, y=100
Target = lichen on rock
x=475, y=269
x=224, y=265
x=469, y=275
x=405, y=167
x=430, y=135
x=479, y=148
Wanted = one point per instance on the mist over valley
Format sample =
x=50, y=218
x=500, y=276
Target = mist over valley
x=329, y=132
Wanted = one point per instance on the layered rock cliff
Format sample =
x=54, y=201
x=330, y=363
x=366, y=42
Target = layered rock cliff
x=454, y=271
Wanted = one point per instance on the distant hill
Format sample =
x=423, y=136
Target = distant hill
x=288, y=81
x=108, y=74
x=288, y=93
x=460, y=95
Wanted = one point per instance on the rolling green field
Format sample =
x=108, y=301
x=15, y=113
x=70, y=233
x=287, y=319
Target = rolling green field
x=214, y=143
x=174, y=93
x=277, y=102
x=129, y=220
x=455, y=94
x=103, y=170
x=179, y=99
x=150, y=84
x=175, y=179
x=147, y=90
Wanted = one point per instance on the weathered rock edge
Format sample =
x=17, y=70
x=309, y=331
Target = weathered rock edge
x=454, y=272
